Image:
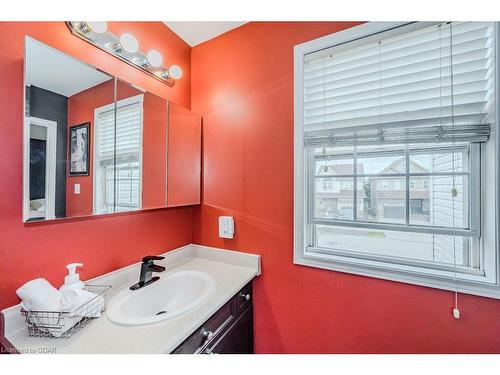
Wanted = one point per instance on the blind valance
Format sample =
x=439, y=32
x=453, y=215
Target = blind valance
x=399, y=135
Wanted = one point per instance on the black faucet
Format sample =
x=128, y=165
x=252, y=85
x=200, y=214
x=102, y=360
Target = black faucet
x=147, y=269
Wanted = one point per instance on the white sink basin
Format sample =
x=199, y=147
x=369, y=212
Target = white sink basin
x=166, y=298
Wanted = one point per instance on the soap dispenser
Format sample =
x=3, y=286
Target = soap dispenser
x=72, y=279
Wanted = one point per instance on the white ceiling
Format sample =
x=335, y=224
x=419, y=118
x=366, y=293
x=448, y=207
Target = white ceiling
x=52, y=70
x=194, y=33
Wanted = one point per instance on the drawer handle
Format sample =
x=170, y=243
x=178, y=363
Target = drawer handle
x=245, y=296
x=207, y=334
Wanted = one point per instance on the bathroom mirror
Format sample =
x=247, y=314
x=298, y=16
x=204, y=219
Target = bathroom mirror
x=94, y=144
x=62, y=95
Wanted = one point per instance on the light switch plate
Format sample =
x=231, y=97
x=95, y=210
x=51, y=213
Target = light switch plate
x=226, y=227
x=77, y=188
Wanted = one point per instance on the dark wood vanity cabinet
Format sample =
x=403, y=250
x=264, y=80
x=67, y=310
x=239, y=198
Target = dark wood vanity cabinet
x=238, y=339
x=228, y=331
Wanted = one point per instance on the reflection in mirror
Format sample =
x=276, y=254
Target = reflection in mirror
x=127, y=169
x=94, y=144
x=141, y=128
x=61, y=103
x=184, y=156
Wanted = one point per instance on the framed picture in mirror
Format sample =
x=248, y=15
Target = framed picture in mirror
x=79, y=150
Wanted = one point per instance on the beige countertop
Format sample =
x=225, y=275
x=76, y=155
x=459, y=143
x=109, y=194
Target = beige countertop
x=230, y=270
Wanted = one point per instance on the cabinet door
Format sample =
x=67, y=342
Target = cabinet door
x=183, y=157
x=238, y=339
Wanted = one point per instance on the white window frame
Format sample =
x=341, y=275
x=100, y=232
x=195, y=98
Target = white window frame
x=109, y=107
x=485, y=284
x=50, y=171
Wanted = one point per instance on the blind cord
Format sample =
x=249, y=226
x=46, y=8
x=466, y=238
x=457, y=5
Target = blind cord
x=325, y=167
x=440, y=75
x=456, y=311
x=380, y=84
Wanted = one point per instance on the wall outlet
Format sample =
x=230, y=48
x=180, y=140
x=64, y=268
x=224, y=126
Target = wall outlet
x=226, y=227
x=77, y=188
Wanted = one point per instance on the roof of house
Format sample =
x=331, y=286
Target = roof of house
x=340, y=169
x=398, y=166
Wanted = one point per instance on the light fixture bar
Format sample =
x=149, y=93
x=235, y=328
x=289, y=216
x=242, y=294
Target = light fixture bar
x=110, y=43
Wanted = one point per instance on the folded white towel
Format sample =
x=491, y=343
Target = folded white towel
x=72, y=303
x=73, y=300
x=39, y=295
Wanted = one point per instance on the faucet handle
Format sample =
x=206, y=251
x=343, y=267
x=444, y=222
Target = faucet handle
x=150, y=258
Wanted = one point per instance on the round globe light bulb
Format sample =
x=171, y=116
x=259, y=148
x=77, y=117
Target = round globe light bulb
x=98, y=27
x=175, y=72
x=129, y=43
x=154, y=58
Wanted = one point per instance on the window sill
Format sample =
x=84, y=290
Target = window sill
x=439, y=279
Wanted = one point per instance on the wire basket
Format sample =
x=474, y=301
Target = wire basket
x=57, y=324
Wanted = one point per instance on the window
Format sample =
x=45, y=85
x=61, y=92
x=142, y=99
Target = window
x=118, y=156
x=400, y=115
x=327, y=184
x=381, y=177
x=346, y=184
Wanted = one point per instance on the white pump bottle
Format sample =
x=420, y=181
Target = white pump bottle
x=72, y=279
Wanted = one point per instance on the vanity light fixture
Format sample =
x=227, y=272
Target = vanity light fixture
x=126, y=48
x=129, y=43
x=175, y=72
x=154, y=58
x=96, y=26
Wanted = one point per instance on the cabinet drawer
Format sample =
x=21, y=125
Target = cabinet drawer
x=218, y=325
x=200, y=338
x=242, y=300
x=237, y=339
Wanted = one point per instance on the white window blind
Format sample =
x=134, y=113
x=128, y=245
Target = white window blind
x=105, y=132
x=119, y=152
x=128, y=133
x=402, y=81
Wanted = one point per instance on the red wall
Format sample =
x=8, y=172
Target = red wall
x=242, y=84
x=154, y=152
x=184, y=156
x=101, y=243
